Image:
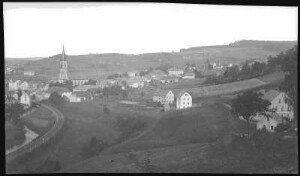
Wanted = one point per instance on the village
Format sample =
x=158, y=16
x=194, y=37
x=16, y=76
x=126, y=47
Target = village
x=162, y=88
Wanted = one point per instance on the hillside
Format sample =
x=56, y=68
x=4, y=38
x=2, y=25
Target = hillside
x=98, y=66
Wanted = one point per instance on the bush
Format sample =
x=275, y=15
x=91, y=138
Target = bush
x=56, y=99
x=93, y=147
x=106, y=110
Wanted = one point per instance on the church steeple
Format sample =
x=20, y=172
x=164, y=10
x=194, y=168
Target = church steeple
x=63, y=53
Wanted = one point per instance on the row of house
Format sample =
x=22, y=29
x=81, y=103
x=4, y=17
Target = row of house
x=167, y=97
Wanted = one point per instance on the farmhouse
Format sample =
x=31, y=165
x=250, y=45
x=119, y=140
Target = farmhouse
x=14, y=85
x=84, y=96
x=163, y=96
x=79, y=82
x=189, y=75
x=133, y=73
x=156, y=74
x=136, y=82
x=175, y=71
x=283, y=111
x=24, y=86
x=58, y=90
x=29, y=73
x=85, y=88
x=25, y=99
x=183, y=100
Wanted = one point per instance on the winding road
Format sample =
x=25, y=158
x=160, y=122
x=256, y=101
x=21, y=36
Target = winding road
x=59, y=121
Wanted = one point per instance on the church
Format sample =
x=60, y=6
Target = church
x=63, y=71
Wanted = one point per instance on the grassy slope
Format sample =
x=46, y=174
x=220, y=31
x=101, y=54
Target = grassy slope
x=83, y=121
x=13, y=135
x=40, y=121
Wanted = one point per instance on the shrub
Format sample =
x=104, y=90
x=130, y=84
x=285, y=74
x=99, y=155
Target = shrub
x=106, y=110
x=93, y=147
x=56, y=99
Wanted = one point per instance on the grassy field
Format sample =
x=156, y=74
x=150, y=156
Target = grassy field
x=14, y=135
x=185, y=83
x=40, y=121
x=272, y=77
x=83, y=121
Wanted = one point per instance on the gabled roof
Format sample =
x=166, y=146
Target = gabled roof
x=189, y=73
x=157, y=73
x=83, y=94
x=161, y=93
x=175, y=69
x=270, y=94
x=57, y=89
x=181, y=93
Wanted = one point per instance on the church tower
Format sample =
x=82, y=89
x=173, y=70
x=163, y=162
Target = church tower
x=63, y=67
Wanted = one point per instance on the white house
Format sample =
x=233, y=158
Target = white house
x=268, y=123
x=71, y=97
x=189, y=75
x=164, y=97
x=13, y=85
x=25, y=99
x=283, y=112
x=175, y=71
x=79, y=82
x=132, y=74
x=24, y=86
x=29, y=73
x=183, y=100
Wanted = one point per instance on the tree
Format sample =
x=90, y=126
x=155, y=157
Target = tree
x=232, y=73
x=106, y=110
x=248, y=105
x=16, y=110
x=289, y=85
x=246, y=71
x=56, y=99
x=19, y=93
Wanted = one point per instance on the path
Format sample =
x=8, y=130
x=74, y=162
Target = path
x=59, y=120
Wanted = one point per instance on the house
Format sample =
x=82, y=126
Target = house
x=14, y=85
x=175, y=71
x=29, y=73
x=84, y=95
x=132, y=73
x=24, y=86
x=71, y=97
x=25, y=98
x=283, y=111
x=57, y=89
x=169, y=79
x=85, y=88
x=163, y=96
x=156, y=75
x=136, y=82
x=79, y=82
x=189, y=75
x=268, y=123
x=183, y=100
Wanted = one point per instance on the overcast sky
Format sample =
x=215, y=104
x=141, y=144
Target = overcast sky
x=41, y=29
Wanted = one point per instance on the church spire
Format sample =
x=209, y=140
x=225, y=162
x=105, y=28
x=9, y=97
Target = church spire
x=63, y=53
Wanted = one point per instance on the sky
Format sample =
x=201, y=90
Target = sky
x=41, y=29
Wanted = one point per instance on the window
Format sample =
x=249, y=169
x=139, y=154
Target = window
x=279, y=100
x=183, y=99
x=282, y=108
x=271, y=127
x=264, y=126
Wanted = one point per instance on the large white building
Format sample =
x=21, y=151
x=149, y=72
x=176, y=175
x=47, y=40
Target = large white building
x=164, y=97
x=175, y=71
x=183, y=100
x=283, y=111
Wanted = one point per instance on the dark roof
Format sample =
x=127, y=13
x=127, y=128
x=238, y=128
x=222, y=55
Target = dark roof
x=57, y=89
x=181, y=93
x=161, y=92
x=83, y=94
x=270, y=94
